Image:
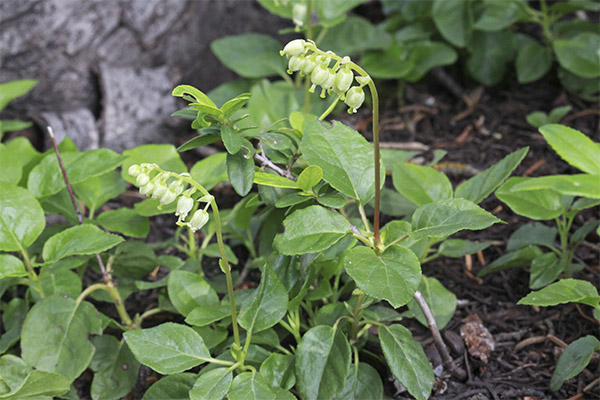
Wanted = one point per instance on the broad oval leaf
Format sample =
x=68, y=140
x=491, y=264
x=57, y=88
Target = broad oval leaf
x=345, y=157
x=125, y=221
x=78, y=240
x=452, y=20
x=10, y=165
x=446, y=217
x=11, y=267
x=544, y=270
x=579, y=54
x=212, y=385
x=168, y=348
x=322, y=363
x=210, y=171
x=310, y=230
x=573, y=360
x=533, y=61
x=574, y=147
x=267, y=179
x=564, y=291
x=165, y=155
x=116, y=369
x=393, y=276
x=172, y=387
x=535, y=233
x=21, y=218
x=407, y=360
x=440, y=300
x=278, y=371
x=268, y=304
x=310, y=177
x=421, y=184
x=240, y=171
x=249, y=386
x=584, y=185
x=56, y=336
x=523, y=256
x=231, y=139
x=188, y=290
x=362, y=383
x=459, y=248
x=20, y=381
x=538, y=204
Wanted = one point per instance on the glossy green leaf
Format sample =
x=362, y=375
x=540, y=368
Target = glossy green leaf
x=268, y=179
x=391, y=63
x=354, y=35
x=56, y=336
x=116, y=370
x=443, y=218
x=240, y=170
x=188, y=290
x=558, y=113
x=310, y=177
x=249, y=386
x=459, y=248
x=207, y=314
x=168, y=348
x=125, y=221
x=322, y=363
x=584, y=185
x=20, y=381
x=172, y=387
x=134, y=259
x=528, y=234
x=278, y=371
x=579, y=54
x=212, y=385
x=21, y=218
x=268, y=304
x=574, y=147
x=28, y=155
x=250, y=55
x=198, y=141
x=452, y=20
x=544, y=270
x=311, y=229
x=573, y=360
x=345, y=157
x=497, y=16
x=233, y=105
x=10, y=165
x=97, y=190
x=330, y=12
x=231, y=139
x=542, y=204
x=490, y=54
x=165, y=155
x=149, y=208
x=11, y=266
x=484, y=183
x=13, y=316
x=78, y=240
x=534, y=60
x=361, y=383
x=332, y=201
x=66, y=283
x=200, y=97
x=13, y=89
x=426, y=55
x=563, y=291
x=210, y=171
x=421, y=184
x=440, y=300
x=393, y=276
x=513, y=259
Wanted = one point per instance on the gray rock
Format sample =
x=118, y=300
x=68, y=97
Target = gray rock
x=79, y=125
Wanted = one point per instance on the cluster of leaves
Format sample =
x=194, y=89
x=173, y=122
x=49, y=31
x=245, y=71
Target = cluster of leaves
x=8, y=92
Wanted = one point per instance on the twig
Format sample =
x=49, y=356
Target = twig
x=264, y=161
x=404, y=146
x=591, y=385
x=437, y=338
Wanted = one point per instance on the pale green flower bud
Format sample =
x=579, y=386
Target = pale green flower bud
x=147, y=188
x=293, y=48
x=296, y=63
x=309, y=64
x=343, y=80
x=142, y=179
x=184, y=205
x=354, y=98
x=168, y=197
x=176, y=187
x=159, y=190
x=134, y=170
x=298, y=14
x=319, y=75
x=199, y=219
x=330, y=81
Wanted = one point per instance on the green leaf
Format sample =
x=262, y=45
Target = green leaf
x=240, y=170
x=391, y=63
x=200, y=97
x=533, y=61
x=210, y=171
x=407, y=360
x=13, y=316
x=13, y=89
x=361, y=383
x=309, y=177
x=233, y=105
x=421, y=184
x=310, y=230
x=513, y=259
x=116, y=370
x=345, y=157
x=97, y=190
x=393, y=276
x=212, y=385
x=457, y=248
x=46, y=178
x=322, y=363
x=269, y=179
x=10, y=165
x=168, y=348
x=134, y=259
x=21, y=218
x=188, y=290
x=579, y=54
x=354, y=35
x=452, y=20
x=563, y=291
x=66, y=283
x=78, y=240
x=544, y=270
x=198, y=141
x=165, y=155
x=332, y=201
x=56, y=336
x=573, y=360
x=537, y=119
x=440, y=300
x=497, y=16
x=490, y=54
x=446, y=217
x=231, y=139
x=11, y=267
x=584, y=185
x=23, y=382
x=528, y=234
x=267, y=306
x=249, y=386
x=330, y=12
x=172, y=387
x=574, y=147
x=558, y=113
x=484, y=183
x=426, y=55
x=542, y=204
x=250, y=55
x=125, y=221
x=207, y=314
x=28, y=155
x=278, y=371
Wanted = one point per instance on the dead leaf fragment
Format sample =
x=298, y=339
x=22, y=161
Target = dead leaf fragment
x=478, y=339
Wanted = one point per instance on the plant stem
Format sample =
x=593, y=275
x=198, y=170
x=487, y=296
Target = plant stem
x=88, y=291
x=329, y=109
x=363, y=217
x=355, y=315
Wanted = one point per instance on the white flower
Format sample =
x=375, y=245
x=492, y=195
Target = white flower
x=184, y=205
x=298, y=14
x=134, y=170
x=199, y=219
x=354, y=98
x=343, y=80
x=142, y=179
x=147, y=188
x=168, y=197
x=293, y=48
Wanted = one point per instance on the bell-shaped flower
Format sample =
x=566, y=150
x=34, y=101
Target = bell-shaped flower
x=168, y=197
x=147, y=188
x=354, y=98
x=160, y=187
x=298, y=14
x=199, y=219
x=296, y=63
x=177, y=187
x=142, y=179
x=343, y=80
x=293, y=48
x=184, y=205
x=134, y=170
x=309, y=64
x=319, y=76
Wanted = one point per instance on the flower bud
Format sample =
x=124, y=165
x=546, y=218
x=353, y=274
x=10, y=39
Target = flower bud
x=343, y=80
x=199, y=219
x=184, y=205
x=176, y=187
x=296, y=63
x=293, y=48
x=298, y=14
x=134, y=170
x=330, y=81
x=354, y=98
x=159, y=189
x=142, y=179
x=319, y=75
x=309, y=64
x=147, y=188
x=168, y=197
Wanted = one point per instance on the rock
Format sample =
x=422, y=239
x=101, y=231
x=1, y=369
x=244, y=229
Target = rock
x=79, y=125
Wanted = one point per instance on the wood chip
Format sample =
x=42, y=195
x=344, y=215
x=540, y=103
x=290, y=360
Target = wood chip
x=478, y=339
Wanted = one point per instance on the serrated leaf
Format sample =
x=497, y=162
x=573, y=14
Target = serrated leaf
x=421, y=184
x=268, y=179
x=21, y=218
x=573, y=360
x=393, y=276
x=322, y=363
x=574, y=147
x=78, y=240
x=212, y=385
x=125, y=221
x=168, y=348
x=310, y=230
x=407, y=360
x=563, y=291
x=188, y=290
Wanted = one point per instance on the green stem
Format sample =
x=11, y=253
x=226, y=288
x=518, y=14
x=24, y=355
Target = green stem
x=545, y=22
x=355, y=314
x=192, y=244
x=401, y=238
x=329, y=109
x=363, y=217
x=116, y=298
x=150, y=313
x=88, y=291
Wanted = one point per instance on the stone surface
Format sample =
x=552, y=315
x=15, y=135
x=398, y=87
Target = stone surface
x=79, y=125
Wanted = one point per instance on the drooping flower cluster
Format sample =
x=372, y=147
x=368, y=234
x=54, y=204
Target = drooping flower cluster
x=159, y=187
x=305, y=58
